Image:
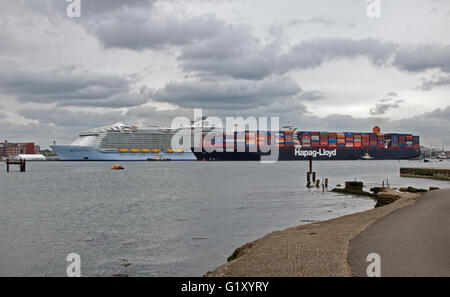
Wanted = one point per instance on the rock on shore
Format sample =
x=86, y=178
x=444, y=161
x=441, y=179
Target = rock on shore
x=388, y=196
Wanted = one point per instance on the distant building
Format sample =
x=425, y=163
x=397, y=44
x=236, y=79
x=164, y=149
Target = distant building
x=10, y=150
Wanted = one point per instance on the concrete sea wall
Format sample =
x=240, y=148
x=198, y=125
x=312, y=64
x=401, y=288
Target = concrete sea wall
x=434, y=173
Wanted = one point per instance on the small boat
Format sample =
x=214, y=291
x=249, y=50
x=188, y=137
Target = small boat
x=158, y=158
x=366, y=157
x=117, y=167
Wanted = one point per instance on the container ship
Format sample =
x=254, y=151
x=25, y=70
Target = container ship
x=302, y=145
x=120, y=142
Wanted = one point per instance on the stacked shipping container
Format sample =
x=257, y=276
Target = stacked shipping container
x=365, y=140
x=341, y=140
x=332, y=140
x=315, y=139
x=285, y=139
x=289, y=139
x=323, y=136
x=305, y=138
x=349, y=138
x=380, y=141
x=357, y=140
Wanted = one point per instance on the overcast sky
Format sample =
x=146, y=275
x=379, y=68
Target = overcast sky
x=320, y=65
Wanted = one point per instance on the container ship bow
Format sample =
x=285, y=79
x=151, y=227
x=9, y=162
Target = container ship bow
x=301, y=145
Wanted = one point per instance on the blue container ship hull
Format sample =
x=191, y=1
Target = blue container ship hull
x=299, y=154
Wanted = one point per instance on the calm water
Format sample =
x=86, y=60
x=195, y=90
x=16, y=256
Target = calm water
x=165, y=218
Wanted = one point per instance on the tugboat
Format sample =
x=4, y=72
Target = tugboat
x=366, y=157
x=158, y=158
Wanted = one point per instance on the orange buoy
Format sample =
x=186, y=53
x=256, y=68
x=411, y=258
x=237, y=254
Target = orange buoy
x=117, y=167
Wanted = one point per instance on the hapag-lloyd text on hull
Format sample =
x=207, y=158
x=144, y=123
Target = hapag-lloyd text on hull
x=315, y=153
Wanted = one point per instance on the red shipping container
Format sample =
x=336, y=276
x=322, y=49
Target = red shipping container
x=324, y=139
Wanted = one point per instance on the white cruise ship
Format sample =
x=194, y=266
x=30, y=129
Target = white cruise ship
x=120, y=142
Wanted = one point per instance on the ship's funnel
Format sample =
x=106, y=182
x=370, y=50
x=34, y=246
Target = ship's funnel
x=377, y=130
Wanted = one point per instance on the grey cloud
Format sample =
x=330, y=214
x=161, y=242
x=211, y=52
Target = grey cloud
x=62, y=125
x=238, y=94
x=435, y=81
x=440, y=113
x=313, y=53
x=115, y=101
x=237, y=55
x=312, y=95
x=234, y=53
x=150, y=116
x=322, y=20
x=137, y=31
x=211, y=47
x=423, y=57
x=333, y=123
x=382, y=108
x=133, y=24
x=67, y=86
x=392, y=94
x=101, y=6
x=42, y=135
x=67, y=118
x=433, y=127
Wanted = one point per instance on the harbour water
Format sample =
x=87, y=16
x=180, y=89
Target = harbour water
x=166, y=218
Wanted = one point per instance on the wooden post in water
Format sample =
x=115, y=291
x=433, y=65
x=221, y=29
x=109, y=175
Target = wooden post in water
x=309, y=173
x=21, y=163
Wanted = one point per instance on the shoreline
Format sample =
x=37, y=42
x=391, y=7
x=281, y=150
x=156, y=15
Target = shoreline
x=316, y=249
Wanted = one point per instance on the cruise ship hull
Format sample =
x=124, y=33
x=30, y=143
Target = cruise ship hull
x=81, y=153
x=298, y=154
